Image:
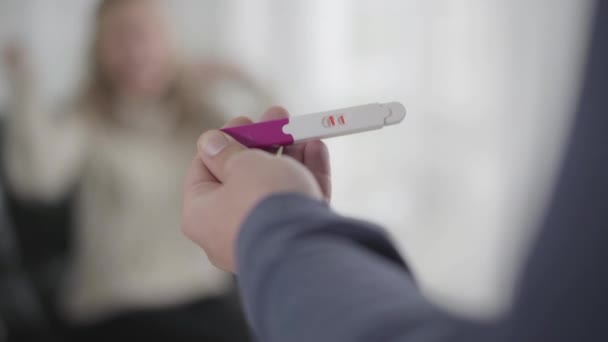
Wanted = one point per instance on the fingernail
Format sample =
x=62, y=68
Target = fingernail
x=213, y=143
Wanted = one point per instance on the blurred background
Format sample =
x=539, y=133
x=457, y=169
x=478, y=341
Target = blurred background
x=490, y=88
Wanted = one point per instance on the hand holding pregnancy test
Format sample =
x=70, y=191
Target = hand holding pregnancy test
x=317, y=126
x=227, y=180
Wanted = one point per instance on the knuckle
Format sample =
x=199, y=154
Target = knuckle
x=187, y=231
x=241, y=118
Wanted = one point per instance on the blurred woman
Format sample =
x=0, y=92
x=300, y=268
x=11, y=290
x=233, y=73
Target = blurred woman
x=124, y=145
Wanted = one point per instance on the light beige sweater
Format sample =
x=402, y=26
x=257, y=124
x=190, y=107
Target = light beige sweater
x=129, y=251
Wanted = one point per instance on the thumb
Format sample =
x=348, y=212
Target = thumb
x=216, y=149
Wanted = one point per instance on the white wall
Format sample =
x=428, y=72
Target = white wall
x=489, y=86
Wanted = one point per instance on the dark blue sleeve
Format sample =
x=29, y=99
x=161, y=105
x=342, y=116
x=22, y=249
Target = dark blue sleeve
x=308, y=274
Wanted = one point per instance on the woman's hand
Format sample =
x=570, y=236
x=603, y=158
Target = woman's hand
x=226, y=180
x=14, y=55
x=16, y=63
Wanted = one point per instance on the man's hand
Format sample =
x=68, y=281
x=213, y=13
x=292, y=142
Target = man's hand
x=226, y=180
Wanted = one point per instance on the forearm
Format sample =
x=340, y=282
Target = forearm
x=307, y=274
x=227, y=89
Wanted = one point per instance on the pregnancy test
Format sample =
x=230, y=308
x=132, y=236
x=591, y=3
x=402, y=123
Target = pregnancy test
x=316, y=126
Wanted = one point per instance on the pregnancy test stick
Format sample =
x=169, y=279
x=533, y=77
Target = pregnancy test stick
x=315, y=126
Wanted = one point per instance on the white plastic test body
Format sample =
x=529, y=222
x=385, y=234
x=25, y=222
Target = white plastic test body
x=320, y=125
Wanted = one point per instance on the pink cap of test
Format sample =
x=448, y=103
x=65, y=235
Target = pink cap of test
x=261, y=134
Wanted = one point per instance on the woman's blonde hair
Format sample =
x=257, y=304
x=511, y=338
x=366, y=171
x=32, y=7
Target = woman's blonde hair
x=184, y=92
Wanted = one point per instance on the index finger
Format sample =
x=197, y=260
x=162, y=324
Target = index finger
x=312, y=154
x=274, y=113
